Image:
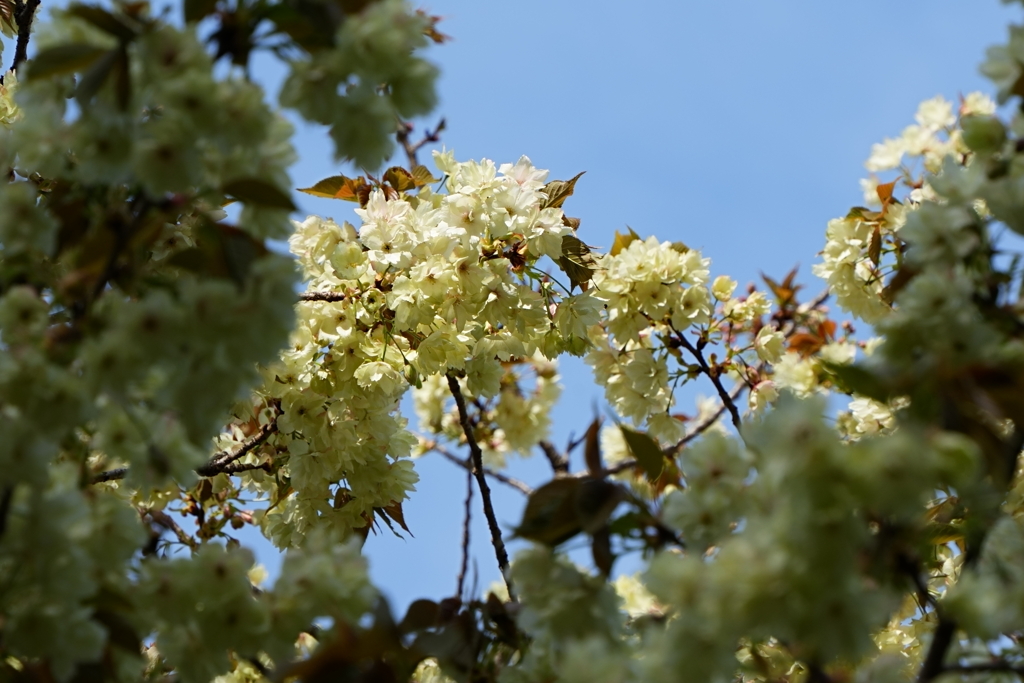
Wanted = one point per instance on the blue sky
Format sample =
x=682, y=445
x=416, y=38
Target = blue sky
x=739, y=128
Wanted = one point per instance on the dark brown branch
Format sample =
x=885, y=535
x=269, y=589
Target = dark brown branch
x=322, y=296
x=163, y=519
x=411, y=148
x=520, y=486
x=672, y=451
x=559, y=462
x=465, y=534
x=485, y=490
x=5, y=507
x=24, y=13
x=945, y=631
x=714, y=375
x=221, y=463
x=110, y=475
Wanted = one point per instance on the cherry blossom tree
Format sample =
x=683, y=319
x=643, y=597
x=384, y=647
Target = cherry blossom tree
x=847, y=508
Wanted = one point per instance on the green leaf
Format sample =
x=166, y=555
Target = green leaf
x=858, y=380
x=63, y=59
x=259, y=193
x=93, y=79
x=576, y=261
x=197, y=10
x=558, y=191
x=550, y=515
x=562, y=508
x=646, y=452
x=422, y=614
x=116, y=25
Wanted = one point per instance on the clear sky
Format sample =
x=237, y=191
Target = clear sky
x=737, y=127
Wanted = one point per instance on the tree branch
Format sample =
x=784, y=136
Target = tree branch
x=518, y=485
x=222, y=460
x=485, y=491
x=221, y=463
x=411, y=148
x=322, y=296
x=713, y=375
x=559, y=462
x=163, y=519
x=24, y=13
x=465, y=534
x=5, y=507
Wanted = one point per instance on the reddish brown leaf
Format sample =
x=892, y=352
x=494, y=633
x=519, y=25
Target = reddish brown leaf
x=592, y=447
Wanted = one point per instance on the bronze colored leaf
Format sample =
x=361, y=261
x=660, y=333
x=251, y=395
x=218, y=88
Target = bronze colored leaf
x=784, y=291
x=573, y=223
x=875, y=246
x=592, y=447
x=558, y=191
x=421, y=176
x=338, y=187
x=623, y=241
x=601, y=551
x=394, y=511
x=805, y=343
x=258, y=192
x=422, y=614
x=400, y=179
x=646, y=452
x=63, y=59
x=7, y=9
x=577, y=261
x=884, y=192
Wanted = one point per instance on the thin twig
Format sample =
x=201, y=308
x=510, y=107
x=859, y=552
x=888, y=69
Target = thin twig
x=672, y=451
x=5, y=507
x=481, y=480
x=559, y=462
x=221, y=463
x=465, y=534
x=322, y=296
x=164, y=520
x=222, y=460
x=713, y=375
x=467, y=465
x=945, y=631
x=24, y=13
x=411, y=148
